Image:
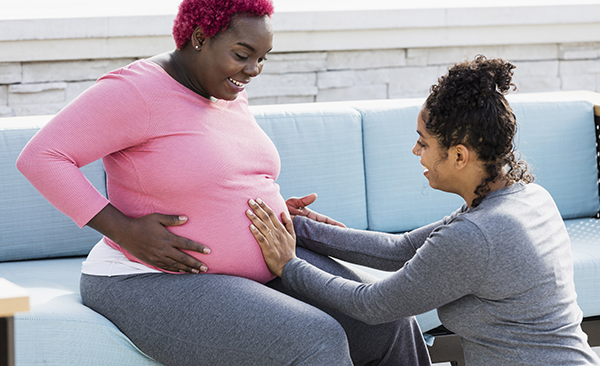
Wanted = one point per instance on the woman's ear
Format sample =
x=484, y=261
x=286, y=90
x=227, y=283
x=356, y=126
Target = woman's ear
x=197, y=39
x=461, y=155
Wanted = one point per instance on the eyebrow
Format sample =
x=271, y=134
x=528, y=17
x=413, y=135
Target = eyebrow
x=244, y=44
x=247, y=46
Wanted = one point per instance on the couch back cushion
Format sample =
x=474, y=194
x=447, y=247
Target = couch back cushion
x=556, y=136
x=398, y=195
x=320, y=146
x=30, y=227
x=355, y=155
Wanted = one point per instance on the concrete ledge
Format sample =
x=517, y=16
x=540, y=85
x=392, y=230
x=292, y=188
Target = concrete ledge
x=310, y=26
x=323, y=50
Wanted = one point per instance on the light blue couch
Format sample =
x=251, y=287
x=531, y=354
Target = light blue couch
x=355, y=155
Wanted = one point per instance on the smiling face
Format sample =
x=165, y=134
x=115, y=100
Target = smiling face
x=435, y=161
x=224, y=64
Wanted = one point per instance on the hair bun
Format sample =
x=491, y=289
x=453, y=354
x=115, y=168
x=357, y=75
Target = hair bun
x=497, y=72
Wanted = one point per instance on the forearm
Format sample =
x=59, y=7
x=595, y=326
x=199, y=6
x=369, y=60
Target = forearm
x=111, y=223
x=449, y=265
x=378, y=250
x=370, y=303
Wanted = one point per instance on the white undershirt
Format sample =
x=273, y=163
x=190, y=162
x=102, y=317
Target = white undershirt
x=106, y=261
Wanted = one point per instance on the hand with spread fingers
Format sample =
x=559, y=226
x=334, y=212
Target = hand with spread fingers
x=151, y=242
x=298, y=206
x=148, y=239
x=277, y=240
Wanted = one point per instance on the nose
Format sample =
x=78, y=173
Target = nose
x=253, y=68
x=416, y=150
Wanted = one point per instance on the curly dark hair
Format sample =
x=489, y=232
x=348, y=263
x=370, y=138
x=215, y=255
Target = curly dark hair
x=467, y=106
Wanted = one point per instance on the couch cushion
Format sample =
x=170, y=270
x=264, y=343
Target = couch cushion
x=585, y=246
x=398, y=195
x=57, y=321
x=557, y=139
x=29, y=226
x=320, y=146
x=555, y=135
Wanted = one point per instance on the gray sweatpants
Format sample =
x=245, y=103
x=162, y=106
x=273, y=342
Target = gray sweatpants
x=210, y=319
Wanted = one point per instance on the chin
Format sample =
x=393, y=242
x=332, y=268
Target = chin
x=229, y=97
x=433, y=186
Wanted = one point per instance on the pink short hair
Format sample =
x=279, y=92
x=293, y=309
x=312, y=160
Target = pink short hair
x=213, y=16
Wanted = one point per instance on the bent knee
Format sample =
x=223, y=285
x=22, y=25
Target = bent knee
x=324, y=343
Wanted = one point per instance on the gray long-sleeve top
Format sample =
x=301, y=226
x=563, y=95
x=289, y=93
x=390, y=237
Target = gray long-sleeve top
x=500, y=275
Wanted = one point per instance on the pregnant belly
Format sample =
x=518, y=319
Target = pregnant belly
x=234, y=251
x=220, y=222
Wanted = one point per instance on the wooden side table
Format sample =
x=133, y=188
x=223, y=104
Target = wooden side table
x=13, y=299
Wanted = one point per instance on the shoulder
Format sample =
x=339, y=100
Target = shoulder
x=141, y=86
x=459, y=246
x=113, y=99
x=461, y=234
x=460, y=225
x=135, y=75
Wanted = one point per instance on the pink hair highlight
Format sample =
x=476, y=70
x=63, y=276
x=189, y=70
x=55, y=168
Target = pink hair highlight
x=213, y=16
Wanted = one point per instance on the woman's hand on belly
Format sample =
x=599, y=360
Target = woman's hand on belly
x=298, y=206
x=148, y=239
x=277, y=240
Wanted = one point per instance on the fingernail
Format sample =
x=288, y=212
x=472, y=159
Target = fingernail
x=252, y=202
x=203, y=268
x=259, y=201
x=195, y=271
x=249, y=212
x=206, y=250
x=183, y=218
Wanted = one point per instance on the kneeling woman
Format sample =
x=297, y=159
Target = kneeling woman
x=498, y=270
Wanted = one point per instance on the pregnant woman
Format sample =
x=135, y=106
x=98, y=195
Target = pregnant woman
x=177, y=270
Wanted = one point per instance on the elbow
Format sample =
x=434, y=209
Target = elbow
x=31, y=162
x=375, y=314
x=25, y=162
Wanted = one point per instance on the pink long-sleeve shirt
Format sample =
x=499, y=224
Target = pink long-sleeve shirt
x=165, y=150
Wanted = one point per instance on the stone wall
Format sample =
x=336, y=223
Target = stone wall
x=34, y=88
x=402, y=73
x=38, y=88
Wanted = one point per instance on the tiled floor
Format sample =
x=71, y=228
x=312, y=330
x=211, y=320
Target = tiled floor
x=596, y=349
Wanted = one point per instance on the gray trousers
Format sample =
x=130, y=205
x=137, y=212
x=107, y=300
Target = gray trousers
x=211, y=319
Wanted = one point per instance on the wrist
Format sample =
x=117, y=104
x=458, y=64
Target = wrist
x=112, y=223
x=282, y=270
